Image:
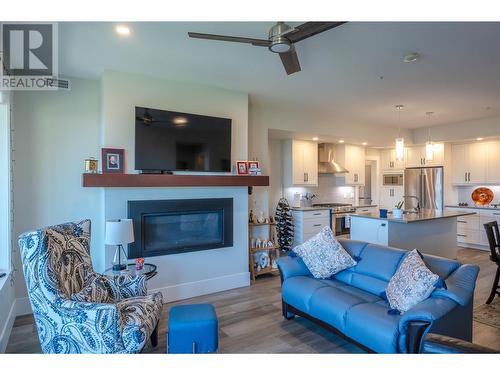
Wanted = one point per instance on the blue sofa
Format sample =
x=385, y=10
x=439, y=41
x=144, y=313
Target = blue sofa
x=352, y=303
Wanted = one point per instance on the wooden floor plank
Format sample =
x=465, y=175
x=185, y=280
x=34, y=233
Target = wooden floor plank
x=250, y=320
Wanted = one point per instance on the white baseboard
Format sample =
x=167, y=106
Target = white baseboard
x=7, y=328
x=203, y=287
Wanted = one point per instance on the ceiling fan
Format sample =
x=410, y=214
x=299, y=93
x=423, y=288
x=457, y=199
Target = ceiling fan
x=281, y=40
x=146, y=119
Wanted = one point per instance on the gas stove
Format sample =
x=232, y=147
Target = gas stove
x=337, y=208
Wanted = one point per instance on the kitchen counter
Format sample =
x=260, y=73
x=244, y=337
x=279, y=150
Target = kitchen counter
x=310, y=208
x=363, y=205
x=475, y=208
x=432, y=232
x=414, y=217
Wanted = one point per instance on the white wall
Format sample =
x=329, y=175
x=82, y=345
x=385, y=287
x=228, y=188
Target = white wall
x=122, y=92
x=54, y=132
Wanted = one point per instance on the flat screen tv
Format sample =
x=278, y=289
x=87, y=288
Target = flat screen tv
x=176, y=141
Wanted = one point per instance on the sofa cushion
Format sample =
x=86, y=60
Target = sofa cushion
x=323, y=255
x=298, y=291
x=332, y=304
x=371, y=325
x=412, y=283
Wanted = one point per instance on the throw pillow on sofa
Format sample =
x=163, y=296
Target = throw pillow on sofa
x=412, y=283
x=323, y=255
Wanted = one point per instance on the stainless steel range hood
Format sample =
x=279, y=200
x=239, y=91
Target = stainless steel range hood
x=326, y=158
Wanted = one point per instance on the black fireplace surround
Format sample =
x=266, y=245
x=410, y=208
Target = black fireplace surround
x=164, y=227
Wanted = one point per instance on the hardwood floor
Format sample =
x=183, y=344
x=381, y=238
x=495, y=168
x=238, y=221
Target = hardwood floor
x=250, y=320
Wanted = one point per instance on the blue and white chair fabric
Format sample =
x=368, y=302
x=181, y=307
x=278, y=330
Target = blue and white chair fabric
x=77, y=310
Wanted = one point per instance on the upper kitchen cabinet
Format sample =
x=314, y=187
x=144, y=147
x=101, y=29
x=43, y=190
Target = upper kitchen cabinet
x=416, y=156
x=300, y=163
x=388, y=160
x=492, y=158
x=470, y=163
x=353, y=159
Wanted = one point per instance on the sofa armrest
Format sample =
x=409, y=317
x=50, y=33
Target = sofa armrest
x=292, y=266
x=429, y=310
x=460, y=284
x=129, y=285
x=439, y=344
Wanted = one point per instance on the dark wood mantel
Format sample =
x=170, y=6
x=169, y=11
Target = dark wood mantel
x=170, y=180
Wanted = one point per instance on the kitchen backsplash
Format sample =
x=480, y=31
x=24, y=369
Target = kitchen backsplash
x=465, y=192
x=327, y=191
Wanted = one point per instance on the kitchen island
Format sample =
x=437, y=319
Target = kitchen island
x=429, y=231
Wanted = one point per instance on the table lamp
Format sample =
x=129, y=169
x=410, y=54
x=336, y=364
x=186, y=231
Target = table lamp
x=119, y=232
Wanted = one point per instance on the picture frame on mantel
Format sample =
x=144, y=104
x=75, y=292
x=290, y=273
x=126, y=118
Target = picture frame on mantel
x=113, y=160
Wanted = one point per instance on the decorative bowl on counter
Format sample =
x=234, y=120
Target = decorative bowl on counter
x=482, y=196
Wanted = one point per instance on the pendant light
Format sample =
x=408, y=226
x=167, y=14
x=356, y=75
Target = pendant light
x=429, y=145
x=400, y=142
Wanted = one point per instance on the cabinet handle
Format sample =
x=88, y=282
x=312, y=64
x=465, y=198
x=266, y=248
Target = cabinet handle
x=305, y=177
x=465, y=178
x=317, y=213
x=468, y=176
x=461, y=221
x=317, y=225
x=461, y=235
x=383, y=224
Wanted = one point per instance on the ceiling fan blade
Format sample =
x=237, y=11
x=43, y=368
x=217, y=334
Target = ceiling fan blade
x=290, y=61
x=308, y=29
x=225, y=38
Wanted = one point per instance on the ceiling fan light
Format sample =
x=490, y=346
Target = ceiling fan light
x=280, y=45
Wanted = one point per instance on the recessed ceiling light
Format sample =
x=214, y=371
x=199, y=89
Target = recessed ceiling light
x=341, y=141
x=122, y=30
x=479, y=139
x=411, y=57
x=364, y=143
x=315, y=139
x=180, y=120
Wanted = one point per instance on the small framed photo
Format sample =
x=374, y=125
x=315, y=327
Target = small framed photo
x=241, y=168
x=253, y=165
x=113, y=160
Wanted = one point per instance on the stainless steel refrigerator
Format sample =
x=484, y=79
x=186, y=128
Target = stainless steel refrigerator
x=426, y=184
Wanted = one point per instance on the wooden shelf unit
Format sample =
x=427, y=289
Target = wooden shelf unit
x=273, y=251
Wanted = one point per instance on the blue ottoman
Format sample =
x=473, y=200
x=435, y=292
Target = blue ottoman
x=192, y=329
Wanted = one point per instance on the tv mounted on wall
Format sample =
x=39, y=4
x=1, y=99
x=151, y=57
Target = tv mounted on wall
x=174, y=141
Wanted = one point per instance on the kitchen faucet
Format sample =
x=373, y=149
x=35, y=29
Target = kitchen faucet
x=415, y=197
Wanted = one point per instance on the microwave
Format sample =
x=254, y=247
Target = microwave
x=393, y=179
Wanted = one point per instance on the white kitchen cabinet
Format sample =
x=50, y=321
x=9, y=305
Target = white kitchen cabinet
x=390, y=196
x=300, y=163
x=308, y=223
x=388, y=161
x=493, y=162
x=353, y=159
x=470, y=229
x=469, y=163
x=416, y=156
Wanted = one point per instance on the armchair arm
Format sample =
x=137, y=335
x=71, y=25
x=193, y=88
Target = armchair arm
x=129, y=285
x=86, y=327
x=460, y=284
x=292, y=266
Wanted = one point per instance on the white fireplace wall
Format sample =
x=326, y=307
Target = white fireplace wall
x=195, y=273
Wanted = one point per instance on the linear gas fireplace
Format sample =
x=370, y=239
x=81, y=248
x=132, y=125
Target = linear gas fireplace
x=163, y=227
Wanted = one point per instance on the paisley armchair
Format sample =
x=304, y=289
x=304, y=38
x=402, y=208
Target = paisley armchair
x=77, y=310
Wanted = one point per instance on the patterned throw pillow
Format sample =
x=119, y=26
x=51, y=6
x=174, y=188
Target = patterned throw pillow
x=412, y=283
x=323, y=255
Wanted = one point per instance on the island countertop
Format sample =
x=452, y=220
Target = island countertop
x=423, y=215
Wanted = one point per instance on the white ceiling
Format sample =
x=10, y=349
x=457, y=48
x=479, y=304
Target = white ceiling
x=457, y=77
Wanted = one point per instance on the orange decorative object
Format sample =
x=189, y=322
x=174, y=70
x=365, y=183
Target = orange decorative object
x=482, y=196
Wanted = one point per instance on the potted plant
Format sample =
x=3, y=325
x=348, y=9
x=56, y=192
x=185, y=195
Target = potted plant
x=397, y=211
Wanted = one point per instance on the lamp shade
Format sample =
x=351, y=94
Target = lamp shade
x=119, y=232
